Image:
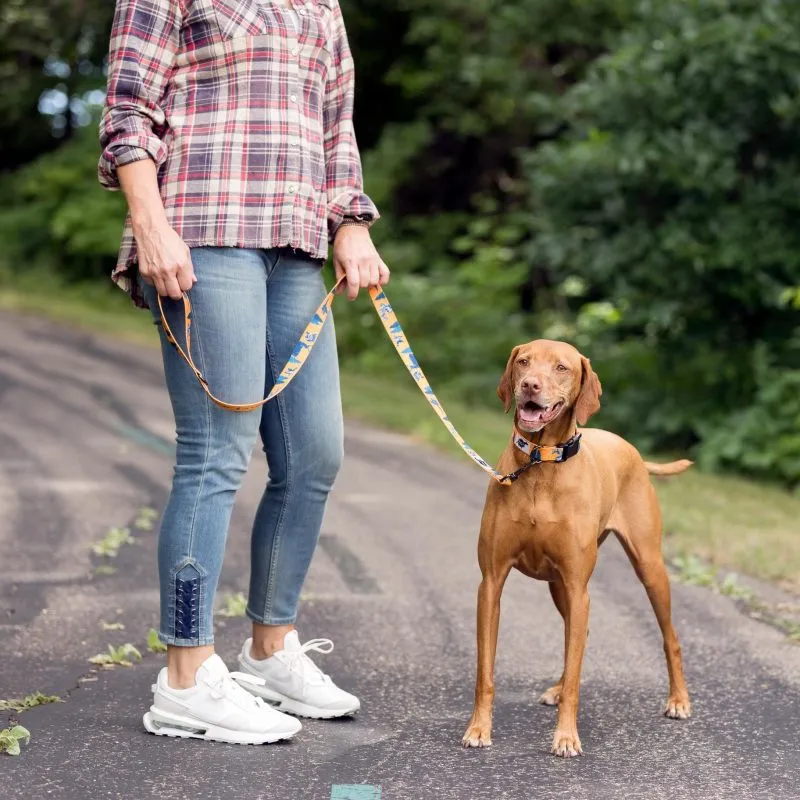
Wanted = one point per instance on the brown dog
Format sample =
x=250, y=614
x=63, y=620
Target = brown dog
x=550, y=523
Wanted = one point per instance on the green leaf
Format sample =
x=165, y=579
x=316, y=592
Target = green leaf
x=10, y=739
x=235, y=606
x=154, y=644
x=21, y=733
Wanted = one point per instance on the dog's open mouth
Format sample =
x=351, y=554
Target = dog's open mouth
x=533, y=414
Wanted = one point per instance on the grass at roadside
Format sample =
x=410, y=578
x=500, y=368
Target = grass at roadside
x=731, y=522
x=93, y=307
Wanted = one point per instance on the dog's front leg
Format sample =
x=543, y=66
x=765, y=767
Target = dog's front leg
x=479, y=732
x=566, y=742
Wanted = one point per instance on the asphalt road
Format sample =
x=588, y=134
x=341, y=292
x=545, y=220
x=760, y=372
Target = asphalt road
x=85, y=441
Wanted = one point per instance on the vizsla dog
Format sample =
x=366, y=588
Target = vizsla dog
x=572, y=491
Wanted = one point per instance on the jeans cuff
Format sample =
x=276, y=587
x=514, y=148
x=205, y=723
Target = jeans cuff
x=175, y=641
x=267, y=620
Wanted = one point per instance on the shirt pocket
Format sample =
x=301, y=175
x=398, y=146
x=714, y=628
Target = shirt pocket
x=320, y=25
x=238, y=18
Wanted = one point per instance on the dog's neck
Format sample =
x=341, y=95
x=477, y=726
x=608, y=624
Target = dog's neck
x=557, y=432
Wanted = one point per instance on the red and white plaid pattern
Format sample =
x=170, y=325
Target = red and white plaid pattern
x=248, y=118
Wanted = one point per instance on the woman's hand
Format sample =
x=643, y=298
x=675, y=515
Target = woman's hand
x=355, y=257
x=164, y=260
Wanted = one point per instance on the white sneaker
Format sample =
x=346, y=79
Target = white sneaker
x=294, y=683
x=217, y=707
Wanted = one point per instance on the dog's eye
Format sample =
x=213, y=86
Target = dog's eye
x=523, y=362
x=562, y=367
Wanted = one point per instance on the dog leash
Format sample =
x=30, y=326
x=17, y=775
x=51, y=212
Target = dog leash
x=537, y=453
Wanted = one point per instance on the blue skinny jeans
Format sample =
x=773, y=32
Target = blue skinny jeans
x=249, y=309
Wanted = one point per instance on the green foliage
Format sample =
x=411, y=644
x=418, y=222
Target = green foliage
x=695, y=572
x=117, y=656
x=234, y=605
x=484, y=83
x=154, y=644
x=145, y=519
x=10, y=739
x=47, y=46
x=53, y=212
x=110, y=544
x=675, y=192
x=29, y=701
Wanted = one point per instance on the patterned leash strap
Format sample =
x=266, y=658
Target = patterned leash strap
x=296, y=360
x=306, y=344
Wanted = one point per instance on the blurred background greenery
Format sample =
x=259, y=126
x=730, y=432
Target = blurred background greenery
x=623, y=174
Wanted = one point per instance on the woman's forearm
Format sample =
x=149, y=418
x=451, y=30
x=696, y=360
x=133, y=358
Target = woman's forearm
x=163, y=257
x=139, y=183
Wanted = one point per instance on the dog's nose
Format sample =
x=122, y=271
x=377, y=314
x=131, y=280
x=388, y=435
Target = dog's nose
x=531, y=385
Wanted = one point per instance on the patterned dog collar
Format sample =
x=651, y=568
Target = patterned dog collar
x=539, y=454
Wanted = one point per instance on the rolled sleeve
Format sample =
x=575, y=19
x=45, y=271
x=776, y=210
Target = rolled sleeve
x=142, y=48
x=344, y=179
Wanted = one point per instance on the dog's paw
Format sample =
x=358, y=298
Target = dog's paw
x=566, y=745
x=478, y=736
x=678, y=708
x=552, y=696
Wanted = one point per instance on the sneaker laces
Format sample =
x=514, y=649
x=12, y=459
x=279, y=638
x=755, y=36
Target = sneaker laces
x=298, y=661
x=227, y=687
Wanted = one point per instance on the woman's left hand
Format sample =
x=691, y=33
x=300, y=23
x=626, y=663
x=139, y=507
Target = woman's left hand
x=355, y=257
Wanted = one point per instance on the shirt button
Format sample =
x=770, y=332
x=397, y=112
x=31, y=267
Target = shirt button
x=293, y=98
x=292, y=189
x=295, y=51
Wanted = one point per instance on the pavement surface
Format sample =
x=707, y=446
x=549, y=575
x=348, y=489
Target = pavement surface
x=86, y=441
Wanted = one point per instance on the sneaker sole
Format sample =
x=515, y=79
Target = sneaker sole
x=162, y=723
x=295, y=707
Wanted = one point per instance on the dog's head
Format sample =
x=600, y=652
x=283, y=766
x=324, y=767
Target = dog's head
x=548, y=379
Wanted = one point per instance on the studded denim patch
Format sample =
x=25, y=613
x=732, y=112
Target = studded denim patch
x=187, y=603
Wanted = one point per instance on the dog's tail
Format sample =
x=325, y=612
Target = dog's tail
x=673, y=468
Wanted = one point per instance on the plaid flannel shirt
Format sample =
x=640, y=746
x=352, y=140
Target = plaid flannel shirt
x=247, y=115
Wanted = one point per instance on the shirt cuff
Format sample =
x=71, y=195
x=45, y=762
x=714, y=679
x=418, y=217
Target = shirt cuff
x=352, y=204
x=126, y=151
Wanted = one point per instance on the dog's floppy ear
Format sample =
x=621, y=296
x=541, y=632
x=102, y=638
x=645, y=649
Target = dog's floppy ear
x=588, y=401
x=505, y=391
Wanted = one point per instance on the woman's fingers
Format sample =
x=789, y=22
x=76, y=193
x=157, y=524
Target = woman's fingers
x=371, y=269
x=172, y=287
x=185, y=276
x=353, y=274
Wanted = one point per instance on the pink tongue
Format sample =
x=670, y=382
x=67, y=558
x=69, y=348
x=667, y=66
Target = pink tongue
x=531, y=416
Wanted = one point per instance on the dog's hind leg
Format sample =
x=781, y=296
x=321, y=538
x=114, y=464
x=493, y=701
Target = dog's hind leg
x=642, y=543
x=552, y=696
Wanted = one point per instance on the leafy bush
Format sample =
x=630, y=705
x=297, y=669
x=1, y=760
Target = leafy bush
x=53, y=213
x=675, y=194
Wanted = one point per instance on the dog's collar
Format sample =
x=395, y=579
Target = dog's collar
x=541, y=453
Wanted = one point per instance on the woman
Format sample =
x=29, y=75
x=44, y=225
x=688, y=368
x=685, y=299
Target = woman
x=228, y=126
